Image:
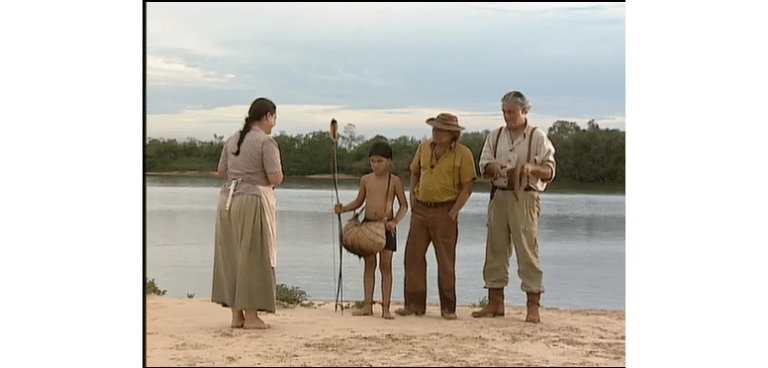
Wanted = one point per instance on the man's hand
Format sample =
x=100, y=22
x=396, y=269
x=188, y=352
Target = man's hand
x=526, y=169
x=453, y=213
x=493, y=169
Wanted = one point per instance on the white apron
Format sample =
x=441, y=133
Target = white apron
x=270, y=207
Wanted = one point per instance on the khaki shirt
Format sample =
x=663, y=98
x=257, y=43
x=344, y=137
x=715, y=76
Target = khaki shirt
x=440, y=180
x=514, y=152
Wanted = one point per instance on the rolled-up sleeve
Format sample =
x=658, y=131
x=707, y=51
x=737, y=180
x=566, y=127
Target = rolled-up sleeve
x=271, y=156
x=545, y=153
x=486, y=156
x=467, y=169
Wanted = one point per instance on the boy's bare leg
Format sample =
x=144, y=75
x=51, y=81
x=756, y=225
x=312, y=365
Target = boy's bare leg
x=369, y=281
x=237, y=318
x=252, y=320
x=385, y=266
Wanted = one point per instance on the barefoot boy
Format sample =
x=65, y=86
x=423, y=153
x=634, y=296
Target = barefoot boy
x=378, y=190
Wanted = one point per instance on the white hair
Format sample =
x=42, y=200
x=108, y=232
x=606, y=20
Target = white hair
x=519, y=99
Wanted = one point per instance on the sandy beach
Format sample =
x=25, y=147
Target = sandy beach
x=196, y=332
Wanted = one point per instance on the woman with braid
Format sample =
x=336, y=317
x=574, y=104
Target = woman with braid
x=244, y=254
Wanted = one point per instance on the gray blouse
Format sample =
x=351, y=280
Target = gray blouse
x=258, y=156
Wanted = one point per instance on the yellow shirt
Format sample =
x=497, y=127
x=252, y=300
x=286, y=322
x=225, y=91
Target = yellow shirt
x=440, y=180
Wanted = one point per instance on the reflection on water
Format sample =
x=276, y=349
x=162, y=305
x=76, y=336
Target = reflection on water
x=582, y=244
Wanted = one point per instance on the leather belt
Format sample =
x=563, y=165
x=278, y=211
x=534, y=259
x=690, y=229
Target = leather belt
x=527, y=189
x=436, y=204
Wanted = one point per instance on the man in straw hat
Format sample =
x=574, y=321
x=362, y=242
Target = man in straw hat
x=442, y=176
x=520, y=161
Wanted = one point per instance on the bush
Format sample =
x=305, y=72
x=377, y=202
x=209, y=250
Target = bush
x=151, y=288
x=290, y=297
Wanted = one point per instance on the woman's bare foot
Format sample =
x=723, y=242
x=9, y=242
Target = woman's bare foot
x=257, y=325
x=385, y=314
x=366, y=310
x=253, y=322
x=237, y=319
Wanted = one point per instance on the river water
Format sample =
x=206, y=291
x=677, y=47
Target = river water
x=582, y=244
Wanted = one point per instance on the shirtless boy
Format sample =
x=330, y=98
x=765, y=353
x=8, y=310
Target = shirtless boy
x=378, y=190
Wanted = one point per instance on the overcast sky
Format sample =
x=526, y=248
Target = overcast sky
x=384, y=67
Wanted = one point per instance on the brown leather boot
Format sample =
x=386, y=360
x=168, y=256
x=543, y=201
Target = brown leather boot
x=495, y=306
x=533, y=307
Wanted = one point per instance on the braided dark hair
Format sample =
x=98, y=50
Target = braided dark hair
x=260, y=107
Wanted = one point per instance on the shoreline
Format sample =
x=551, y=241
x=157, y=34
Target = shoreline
x=215, y=174
x=188, y=332
x=182, y=173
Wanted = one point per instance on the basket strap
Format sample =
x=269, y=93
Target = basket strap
x=386, y=194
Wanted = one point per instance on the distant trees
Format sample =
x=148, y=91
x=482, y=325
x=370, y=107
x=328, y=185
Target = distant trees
x=169, y=155
x=306, y=154
x=475, y=142
x=590, y=155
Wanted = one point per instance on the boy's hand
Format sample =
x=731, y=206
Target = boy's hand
x=391, y=225
x=337, y=208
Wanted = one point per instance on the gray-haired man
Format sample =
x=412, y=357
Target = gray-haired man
x=520, y=161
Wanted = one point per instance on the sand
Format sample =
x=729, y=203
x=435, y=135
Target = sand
x=196, y=332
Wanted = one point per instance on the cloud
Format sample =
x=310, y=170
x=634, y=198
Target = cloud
x=342, y=75
x=384, y=67
x=162, y=71
x=185, y=26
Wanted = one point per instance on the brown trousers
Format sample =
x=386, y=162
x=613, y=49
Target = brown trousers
x=431, y=225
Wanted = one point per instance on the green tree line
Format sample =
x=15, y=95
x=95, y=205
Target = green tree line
x=590, y=155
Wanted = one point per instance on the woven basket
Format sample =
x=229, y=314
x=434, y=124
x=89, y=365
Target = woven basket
x=364, y=239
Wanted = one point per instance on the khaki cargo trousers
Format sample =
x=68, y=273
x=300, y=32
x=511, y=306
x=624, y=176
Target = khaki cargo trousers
x=514, y=224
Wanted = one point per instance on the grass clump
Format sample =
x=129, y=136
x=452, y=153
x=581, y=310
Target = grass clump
x=482, y=302
x=291, y=297
x=150, y=287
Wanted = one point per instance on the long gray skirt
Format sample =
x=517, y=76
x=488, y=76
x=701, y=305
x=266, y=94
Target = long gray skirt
x=242, y=275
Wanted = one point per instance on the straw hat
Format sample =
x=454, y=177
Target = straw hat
x=445, y=121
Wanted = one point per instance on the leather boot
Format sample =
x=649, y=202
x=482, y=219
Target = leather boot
x=495, y=306
x=533, y=307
